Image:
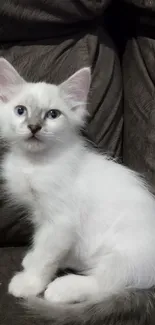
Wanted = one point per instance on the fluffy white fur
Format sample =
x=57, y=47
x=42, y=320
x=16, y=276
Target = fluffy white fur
x=89, y=213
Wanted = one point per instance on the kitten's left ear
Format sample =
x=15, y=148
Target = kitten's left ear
x=75, y=92
x=76, y=87
x=9, y=80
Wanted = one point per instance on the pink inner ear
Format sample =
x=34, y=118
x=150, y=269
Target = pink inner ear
x=76, y=88
x=4, y=88
x=3, y=80
x=9, y=79
x=3, y=98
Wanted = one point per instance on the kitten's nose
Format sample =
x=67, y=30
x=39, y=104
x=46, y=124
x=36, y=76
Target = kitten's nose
x=34, y=128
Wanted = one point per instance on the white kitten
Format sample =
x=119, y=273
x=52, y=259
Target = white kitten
x=90, y=214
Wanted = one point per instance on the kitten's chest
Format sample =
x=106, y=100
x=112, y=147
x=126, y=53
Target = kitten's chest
x=26, y=182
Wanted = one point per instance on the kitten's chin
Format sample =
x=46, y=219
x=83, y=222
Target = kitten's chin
x=34, y=145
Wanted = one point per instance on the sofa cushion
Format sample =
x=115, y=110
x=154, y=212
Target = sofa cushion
x=11, y=312
x=145, y=4
x=139, y=109
x=42, y=19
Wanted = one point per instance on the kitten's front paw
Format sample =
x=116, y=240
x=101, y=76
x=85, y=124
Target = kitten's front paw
x=24, y=284
x=64, y=290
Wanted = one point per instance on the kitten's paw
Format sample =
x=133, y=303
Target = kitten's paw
x=24, y=284
x=27, y=260
x=64, y=290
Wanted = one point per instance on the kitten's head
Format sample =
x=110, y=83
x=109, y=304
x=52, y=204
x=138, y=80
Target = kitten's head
x=36, y=116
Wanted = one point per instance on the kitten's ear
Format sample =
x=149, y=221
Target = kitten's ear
x=9, y=79
x=75, y=92
x=76, y=88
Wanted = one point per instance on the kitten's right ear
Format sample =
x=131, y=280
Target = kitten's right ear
x=9, y=79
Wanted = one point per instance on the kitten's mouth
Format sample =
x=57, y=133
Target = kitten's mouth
x=33, y=138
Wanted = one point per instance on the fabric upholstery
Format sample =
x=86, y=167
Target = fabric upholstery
x=139, y=88
x=11, y=311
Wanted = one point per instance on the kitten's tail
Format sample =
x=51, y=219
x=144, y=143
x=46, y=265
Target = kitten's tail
x=131, y=307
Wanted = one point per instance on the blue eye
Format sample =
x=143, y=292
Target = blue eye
x=20, y=110
x=53, y=114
